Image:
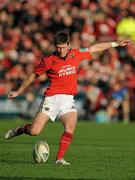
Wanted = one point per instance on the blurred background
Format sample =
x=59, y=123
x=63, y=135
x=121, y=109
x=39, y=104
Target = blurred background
x=106, y=86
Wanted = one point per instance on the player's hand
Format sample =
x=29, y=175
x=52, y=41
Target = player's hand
x=13, y=94
x=124, y=42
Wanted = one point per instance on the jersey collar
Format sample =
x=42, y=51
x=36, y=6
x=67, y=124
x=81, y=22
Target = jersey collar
x=63, y=58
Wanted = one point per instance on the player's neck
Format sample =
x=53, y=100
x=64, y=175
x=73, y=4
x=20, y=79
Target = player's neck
x=63, y=57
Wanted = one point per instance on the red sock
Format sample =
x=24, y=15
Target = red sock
x=65, y=141
x=25, y=129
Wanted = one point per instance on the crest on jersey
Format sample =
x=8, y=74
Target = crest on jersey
x=84, y=49
x=72, y=55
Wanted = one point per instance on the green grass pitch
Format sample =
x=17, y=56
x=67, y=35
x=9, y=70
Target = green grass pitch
x=105, y=151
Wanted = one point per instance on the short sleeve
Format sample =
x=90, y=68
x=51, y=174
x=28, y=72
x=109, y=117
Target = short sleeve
x=84, y=53
x=41, y=67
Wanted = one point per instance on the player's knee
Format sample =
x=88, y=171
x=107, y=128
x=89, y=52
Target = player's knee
x=70, y=129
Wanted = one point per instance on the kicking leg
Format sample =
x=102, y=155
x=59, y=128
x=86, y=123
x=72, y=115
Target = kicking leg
x=30, y=129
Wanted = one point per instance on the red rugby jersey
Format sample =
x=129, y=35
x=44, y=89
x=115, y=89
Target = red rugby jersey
x=62, y=73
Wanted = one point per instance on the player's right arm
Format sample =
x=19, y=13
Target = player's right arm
x=23, y=86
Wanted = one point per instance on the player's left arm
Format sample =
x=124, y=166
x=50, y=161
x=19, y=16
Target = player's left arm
x=107, y=45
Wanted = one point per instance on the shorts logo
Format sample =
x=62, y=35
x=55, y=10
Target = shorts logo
x=73, y=107
x=46, y=108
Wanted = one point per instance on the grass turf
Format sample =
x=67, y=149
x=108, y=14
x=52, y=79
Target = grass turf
x=104, y=151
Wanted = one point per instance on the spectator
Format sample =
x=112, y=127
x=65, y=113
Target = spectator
x=119, y=102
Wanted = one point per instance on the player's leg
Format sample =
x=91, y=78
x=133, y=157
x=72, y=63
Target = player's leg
x=30, y=129
x=40, y=120
x=38, y=124
x=69, y=121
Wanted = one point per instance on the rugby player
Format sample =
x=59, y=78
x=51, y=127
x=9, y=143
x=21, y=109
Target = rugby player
x=61, y=69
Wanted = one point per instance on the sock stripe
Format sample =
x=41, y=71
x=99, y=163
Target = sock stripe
x=67, y=142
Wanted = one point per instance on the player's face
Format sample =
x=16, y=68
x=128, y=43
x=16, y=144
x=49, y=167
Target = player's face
x=62, y=49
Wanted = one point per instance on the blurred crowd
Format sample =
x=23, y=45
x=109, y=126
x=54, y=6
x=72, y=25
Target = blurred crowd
x=27, y=29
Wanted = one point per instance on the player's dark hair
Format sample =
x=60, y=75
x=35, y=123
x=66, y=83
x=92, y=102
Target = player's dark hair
x=62, y=37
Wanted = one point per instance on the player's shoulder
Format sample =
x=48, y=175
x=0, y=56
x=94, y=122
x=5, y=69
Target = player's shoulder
x=73, y=50
x=49, y=57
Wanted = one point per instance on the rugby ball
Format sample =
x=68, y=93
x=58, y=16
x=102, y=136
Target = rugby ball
x=41, y=152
